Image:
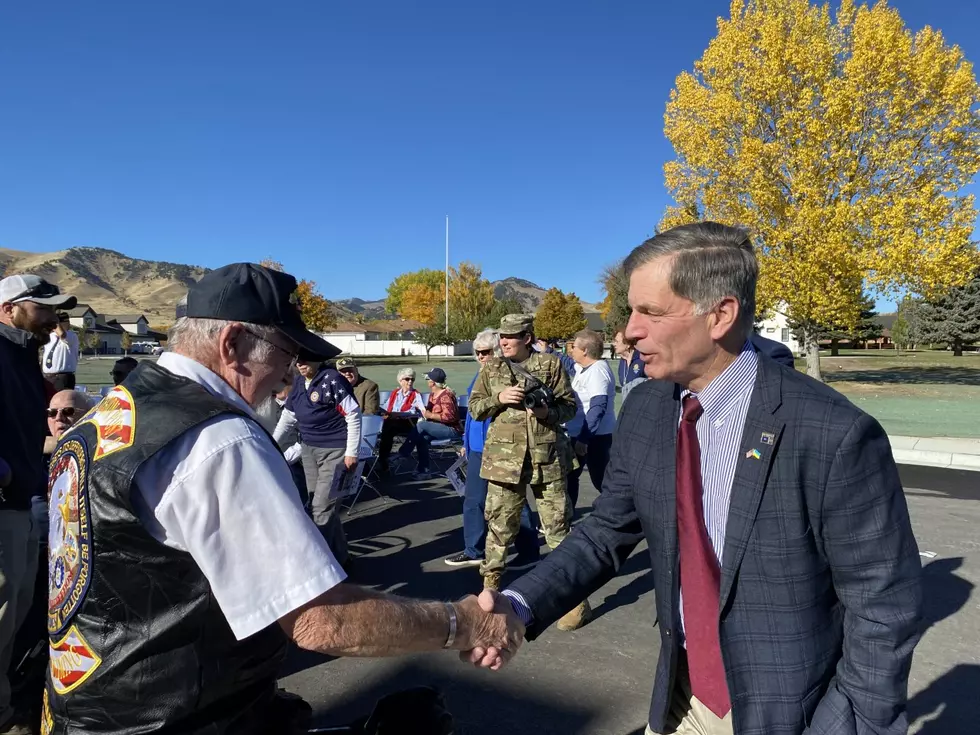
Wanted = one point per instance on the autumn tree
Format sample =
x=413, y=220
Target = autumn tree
x=559, y=316
x=432, y=281
x=126, y=341
x=842, y=142
x=434, y=335
x=470, y=294
x=615, y=306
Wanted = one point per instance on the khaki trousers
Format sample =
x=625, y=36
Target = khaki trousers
x=687, y=716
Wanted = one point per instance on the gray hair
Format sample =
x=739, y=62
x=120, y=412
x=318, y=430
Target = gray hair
x=193, y=336
x=590, y=342
x=708, y=262
x=488, y=339
x=406, y=372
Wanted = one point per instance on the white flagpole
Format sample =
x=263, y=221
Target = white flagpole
x=447, y=274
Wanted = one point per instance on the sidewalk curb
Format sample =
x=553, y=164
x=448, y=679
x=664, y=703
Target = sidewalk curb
x=948, y=453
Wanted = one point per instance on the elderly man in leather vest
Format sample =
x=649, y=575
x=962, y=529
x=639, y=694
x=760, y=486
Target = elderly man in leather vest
x=181, y=558
x=525, y=445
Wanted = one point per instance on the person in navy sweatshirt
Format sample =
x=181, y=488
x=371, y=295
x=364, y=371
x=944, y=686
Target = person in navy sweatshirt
x=322, y=406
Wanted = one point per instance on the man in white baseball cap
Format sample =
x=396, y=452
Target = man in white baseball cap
x=28, y=314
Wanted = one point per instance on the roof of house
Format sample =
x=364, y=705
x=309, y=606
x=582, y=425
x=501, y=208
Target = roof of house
x=124, y=318
x=886, y=320
x=81, y=310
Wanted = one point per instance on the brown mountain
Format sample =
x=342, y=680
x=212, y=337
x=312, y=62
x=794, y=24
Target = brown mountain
x=109, y=282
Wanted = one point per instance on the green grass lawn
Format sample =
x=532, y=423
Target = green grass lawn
x=915, y=394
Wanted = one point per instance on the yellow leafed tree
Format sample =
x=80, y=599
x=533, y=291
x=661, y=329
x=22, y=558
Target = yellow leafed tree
x=422, y=303
x=559, y=316
x=470, y=294
x=843, y=142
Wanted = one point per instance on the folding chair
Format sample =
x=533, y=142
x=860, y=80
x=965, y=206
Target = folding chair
x=367, y=459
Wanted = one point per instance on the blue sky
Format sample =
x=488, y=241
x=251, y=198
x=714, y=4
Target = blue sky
x=336, y=136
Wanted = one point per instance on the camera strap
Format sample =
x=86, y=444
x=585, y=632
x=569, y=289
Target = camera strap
x=523, y=372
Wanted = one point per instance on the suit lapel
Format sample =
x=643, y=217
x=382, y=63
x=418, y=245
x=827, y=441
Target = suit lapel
x=760, y=441
x=667, y=438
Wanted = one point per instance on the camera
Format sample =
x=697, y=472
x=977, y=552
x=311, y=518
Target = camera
x=538, y=395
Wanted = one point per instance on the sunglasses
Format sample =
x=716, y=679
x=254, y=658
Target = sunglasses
x=68, y=412
x=484, y=353
x=410, y=380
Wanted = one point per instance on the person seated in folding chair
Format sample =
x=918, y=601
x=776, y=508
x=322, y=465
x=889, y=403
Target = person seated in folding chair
x=403, y=407
x=321, y=404
x=440, y=420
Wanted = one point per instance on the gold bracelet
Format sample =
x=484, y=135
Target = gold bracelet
x=452, y=625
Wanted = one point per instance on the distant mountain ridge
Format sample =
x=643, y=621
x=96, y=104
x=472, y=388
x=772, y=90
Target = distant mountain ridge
x=113, y=283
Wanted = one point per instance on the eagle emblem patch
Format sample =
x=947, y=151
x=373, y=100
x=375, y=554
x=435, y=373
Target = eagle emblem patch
x=69, y=533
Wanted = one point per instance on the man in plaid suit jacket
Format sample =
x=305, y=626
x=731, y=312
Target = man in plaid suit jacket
x=816, y=597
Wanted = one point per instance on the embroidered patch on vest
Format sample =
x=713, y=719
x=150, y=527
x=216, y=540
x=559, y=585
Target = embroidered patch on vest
x=114, y=420
x=47, y=721
x=315, y=397
x=69, y=533
x=72, y=662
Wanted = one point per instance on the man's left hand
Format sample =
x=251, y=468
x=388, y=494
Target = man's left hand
x=581, y=448
x=350, y=462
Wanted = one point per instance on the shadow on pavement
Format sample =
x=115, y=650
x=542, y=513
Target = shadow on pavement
x=483, y=704
x=950, y=704
x=954, y=697
x=944, y=591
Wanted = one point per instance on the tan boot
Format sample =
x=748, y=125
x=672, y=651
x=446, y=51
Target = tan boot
x=576, y=618
x=492, y=581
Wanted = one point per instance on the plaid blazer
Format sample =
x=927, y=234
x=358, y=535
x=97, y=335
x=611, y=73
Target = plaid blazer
x=820, y=586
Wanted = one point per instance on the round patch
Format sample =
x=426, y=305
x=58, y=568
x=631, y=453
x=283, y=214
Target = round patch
x=315, y=397
x=69, y=533
x=636, y=368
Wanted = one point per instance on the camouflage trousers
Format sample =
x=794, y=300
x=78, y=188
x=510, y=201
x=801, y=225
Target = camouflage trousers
x=503, y=514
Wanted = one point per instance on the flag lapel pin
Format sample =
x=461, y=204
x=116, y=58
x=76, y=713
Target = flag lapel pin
x=753, y=454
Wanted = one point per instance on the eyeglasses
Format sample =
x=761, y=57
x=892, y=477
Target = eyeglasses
x=410, y=380
x=292, y=355
x=484, y=353
x=68, y=412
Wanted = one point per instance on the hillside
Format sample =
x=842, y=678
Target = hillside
x=113, y=283
x=109, y=282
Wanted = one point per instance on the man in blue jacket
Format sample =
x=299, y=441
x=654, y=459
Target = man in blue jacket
x=485, y=345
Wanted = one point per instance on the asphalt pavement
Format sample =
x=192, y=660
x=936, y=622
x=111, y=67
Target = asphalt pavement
x=597, y=680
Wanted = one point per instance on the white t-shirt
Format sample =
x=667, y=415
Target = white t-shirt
x=60, y=354
x=595, y=380
x=223, y=493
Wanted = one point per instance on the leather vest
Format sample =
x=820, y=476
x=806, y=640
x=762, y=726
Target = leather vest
x=138, y=643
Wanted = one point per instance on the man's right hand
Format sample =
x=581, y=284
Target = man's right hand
x=512, y=396
x=489, y=631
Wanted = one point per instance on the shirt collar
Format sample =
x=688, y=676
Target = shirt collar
x=17, y=336
x=730, y=386
x=191, y=369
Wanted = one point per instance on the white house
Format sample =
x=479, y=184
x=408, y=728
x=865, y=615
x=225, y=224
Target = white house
x=775, y=326
x=387, y=338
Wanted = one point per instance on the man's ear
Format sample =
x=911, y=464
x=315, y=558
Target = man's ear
x=231, y=347
x=726, y=315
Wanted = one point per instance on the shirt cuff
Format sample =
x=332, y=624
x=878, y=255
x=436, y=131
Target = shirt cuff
x=521, y=608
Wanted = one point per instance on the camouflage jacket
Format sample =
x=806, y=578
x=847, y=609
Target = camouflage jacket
x=515, y=434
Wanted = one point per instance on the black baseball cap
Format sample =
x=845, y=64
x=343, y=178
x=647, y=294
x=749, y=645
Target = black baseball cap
x=436, y=375
x=246, y=292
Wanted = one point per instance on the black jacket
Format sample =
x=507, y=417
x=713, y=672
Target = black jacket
x=22, y=424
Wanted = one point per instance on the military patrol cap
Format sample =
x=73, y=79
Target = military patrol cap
x=516, y=324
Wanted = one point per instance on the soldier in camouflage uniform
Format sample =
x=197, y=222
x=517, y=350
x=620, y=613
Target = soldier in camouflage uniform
x=523, y=448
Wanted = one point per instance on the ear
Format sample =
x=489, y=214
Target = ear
x=7, y=308
x=724, y=318
x=231, y=344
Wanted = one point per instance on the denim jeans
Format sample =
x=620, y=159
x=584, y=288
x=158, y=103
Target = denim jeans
x=596, y=458
x=419, y=438
x=475, y=524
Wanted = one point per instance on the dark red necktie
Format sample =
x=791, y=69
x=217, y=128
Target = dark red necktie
x=700, y=575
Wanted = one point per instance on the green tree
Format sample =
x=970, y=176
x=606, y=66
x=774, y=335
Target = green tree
x=434, y=335
x=900, y=332
x=559, y=316
x=954, y=319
